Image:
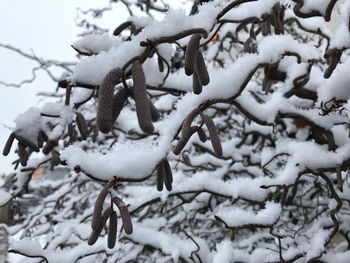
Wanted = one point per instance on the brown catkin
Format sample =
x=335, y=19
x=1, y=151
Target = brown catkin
x=119, y=100
x=121, y=27
x=104, y=116
x=266, y=27
x=124, y=213
x=143, y=109
x=82, y=126
x=112, y=231
x=201, y=134
x=186, y=125
x=196, y=84
x=95, y=233
x=160, y=176
x=93, y=237
x=22, y=153
x=49, y=146
x=213, y=134
x=183, y=141
x=27, y=143
x=96, y=215
x=201, y=69
x=190, y=55
x=168, y=179
x=8, y=144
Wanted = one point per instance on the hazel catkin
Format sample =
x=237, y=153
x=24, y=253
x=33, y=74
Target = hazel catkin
x=196, y=84
x=160, y=176
x=213, y=134
x=112, y=231
x=23, y=155
x=98, y=207
x=143, y=109
x=124, y=213
x=201, y=69
x=104, y=115
x=95, y=233
x=192, y=47
x=8, y=144
x=168, y=179
x=82, y=126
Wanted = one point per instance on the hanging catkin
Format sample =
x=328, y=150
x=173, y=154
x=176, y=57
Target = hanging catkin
x=23, y=155
x=213, y=134
x=190, y=55
x=50, y=144
x=168, y=179
x=119, y=100
x=96, y=215
x=183, y=140
x=82, y=126
x=112, y=231
x=160, y=176
x=266, y=27
x=104, y=116
x=143, y=109
x=201, y=69
x=186, y=132
x=201, y=134
x=8, y=144
x=121, y=27
x=196, y=84
x=95, y=233
x=124, y=213
x=186, y=125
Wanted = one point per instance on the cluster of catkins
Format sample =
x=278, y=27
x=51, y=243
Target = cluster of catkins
x=109, y=106
x=195, y=64
x=100, y=218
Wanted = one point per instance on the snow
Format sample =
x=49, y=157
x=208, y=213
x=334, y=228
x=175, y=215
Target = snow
x=336, y=85
x=28, y=124
x=4, y=197
x=317, y=244
x=238, y=217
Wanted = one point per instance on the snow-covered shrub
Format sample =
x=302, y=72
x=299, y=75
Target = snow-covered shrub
x=220, y=136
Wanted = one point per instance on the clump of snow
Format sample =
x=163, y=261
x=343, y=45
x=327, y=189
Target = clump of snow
x=28, y=124
x=4, y=197
x=236, y=217
x=95, y=43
